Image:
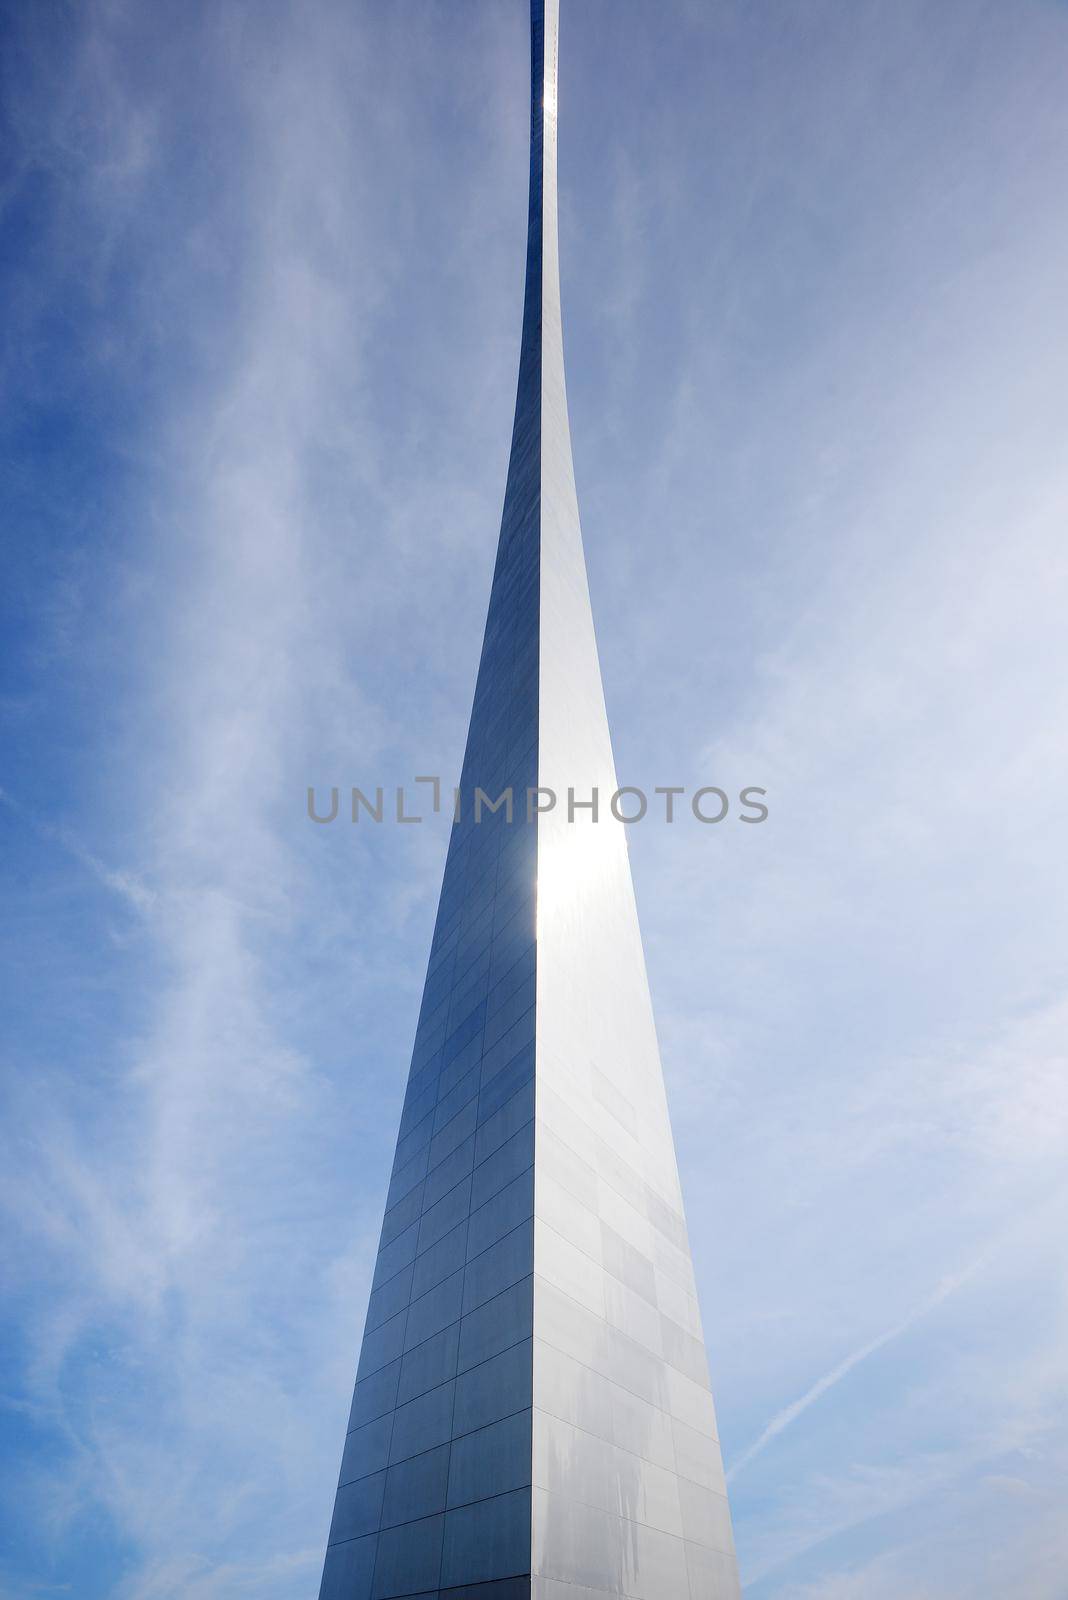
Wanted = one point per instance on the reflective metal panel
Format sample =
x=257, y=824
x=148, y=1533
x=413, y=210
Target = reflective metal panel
x=414, y=1488
x=487, y=1539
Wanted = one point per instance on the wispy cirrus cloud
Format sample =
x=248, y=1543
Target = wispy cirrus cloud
x=192, y=1244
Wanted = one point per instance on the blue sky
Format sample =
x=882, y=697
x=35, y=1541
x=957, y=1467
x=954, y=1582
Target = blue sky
x=262, y=273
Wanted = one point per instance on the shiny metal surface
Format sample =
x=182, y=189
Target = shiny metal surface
x=629, y=1496
x=532, y=1413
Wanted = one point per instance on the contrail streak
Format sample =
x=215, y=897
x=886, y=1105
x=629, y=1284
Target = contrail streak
x=790, y=1413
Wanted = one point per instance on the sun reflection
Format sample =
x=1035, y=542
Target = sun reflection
x=576, y=862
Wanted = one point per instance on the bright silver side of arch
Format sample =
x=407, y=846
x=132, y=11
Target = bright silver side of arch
x=629, y=1495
